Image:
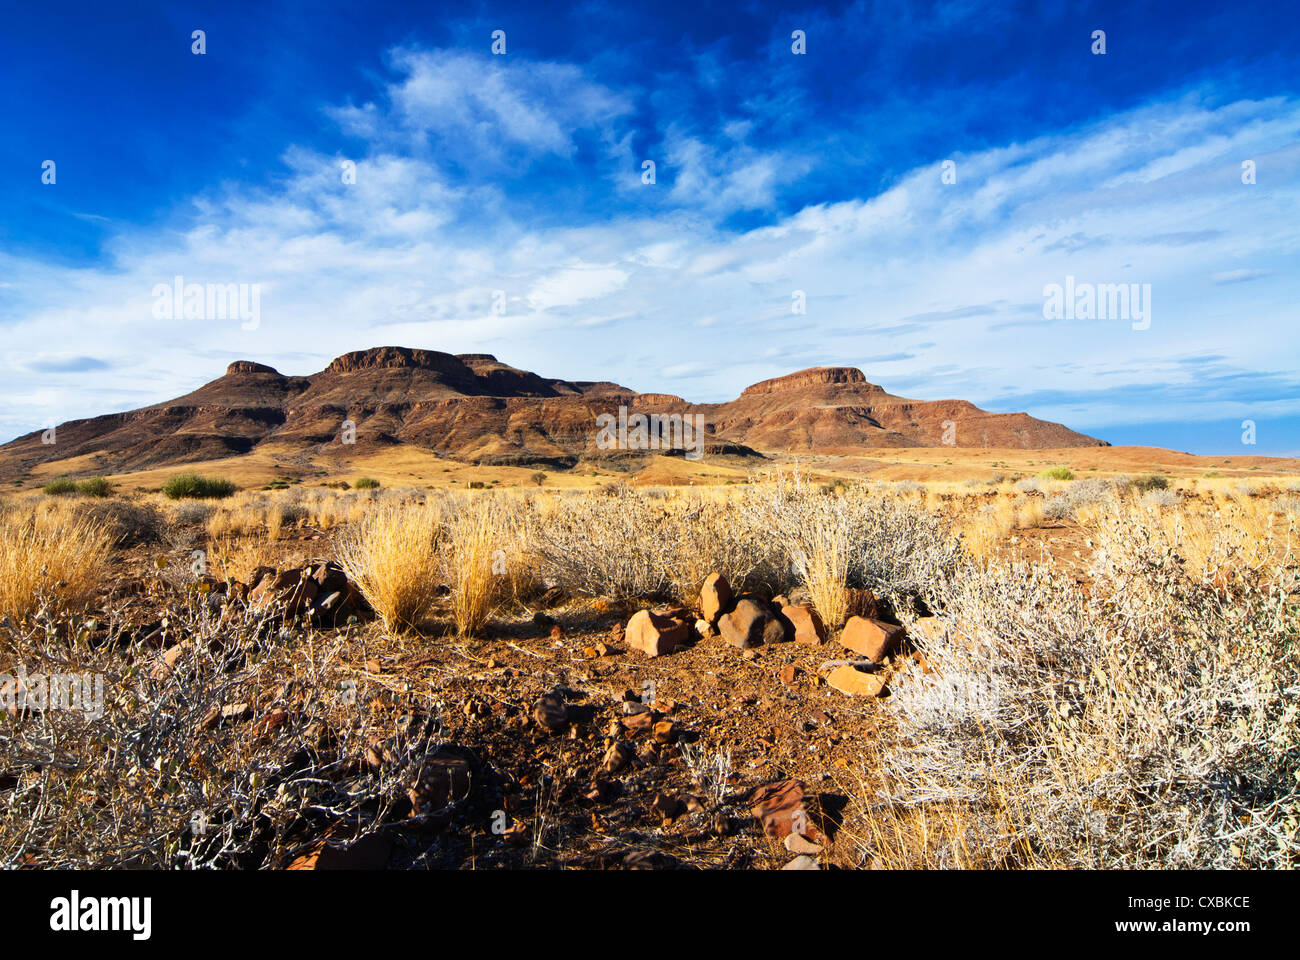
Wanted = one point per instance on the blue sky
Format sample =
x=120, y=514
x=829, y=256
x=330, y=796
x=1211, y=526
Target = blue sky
x=775, y=172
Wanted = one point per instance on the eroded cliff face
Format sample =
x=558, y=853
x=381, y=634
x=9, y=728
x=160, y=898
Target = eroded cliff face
x=473, y=406
x=812, y=377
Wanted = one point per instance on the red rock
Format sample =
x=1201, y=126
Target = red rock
x=872, y=639
x=618, y=756
x=441, y=779
x=291, y=590
x=750, y=624
x=715, y=597
x=654, y=634
x=856, y=683
x=779, y=808
x=550, y=712
x=789, y=673
x=805, y=625
x=369, y=852
x=665, y=731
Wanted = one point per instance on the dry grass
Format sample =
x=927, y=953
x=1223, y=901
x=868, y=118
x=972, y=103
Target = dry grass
x=49, y=555
x=476, y=560
x=392, y=555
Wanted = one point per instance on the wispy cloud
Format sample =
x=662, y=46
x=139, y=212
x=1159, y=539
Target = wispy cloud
x=942, y=282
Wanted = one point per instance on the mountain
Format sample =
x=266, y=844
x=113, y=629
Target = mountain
x=472, y=407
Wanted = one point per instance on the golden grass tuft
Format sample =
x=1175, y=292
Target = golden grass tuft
x=50, y=554
x=392, y=555
x=478, y=565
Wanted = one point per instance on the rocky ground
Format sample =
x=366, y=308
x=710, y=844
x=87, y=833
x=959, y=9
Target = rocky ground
x=580, y=733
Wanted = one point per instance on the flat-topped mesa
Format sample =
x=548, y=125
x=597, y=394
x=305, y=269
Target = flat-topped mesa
x=395, y=358
x=812, y=377
x=248, y=366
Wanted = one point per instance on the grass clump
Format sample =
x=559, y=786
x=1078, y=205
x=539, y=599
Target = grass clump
x=392, y=554
x=1057, y=473
x=60, y=487
x=365, y=483
x=49, y=557
x=95, y=487
x=1151, y=482
x=191, y=486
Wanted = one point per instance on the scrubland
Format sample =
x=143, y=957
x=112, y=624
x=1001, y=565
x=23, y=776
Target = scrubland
x=1097, y=673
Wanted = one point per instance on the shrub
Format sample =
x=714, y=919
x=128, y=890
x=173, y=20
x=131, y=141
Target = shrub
x=365, y=483
x=538, y=478
x=95, y=487
x=1057, y=473
x=1150, y=482
x=60, y=487
x=1146, y=722
x=1091, y=491
x=191, y=486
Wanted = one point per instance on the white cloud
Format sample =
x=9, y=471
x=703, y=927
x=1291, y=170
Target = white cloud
x=945, y=281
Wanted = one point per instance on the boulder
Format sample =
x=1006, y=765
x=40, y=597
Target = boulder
x=369, y=852
x=291, y=591
x=750, y=624
x=805, y=626
x=802, y=863
x=873, y=639
x=550, y=712
x=854, y=682
x=442, y=779
x=655, y=634
x=715, y=597
x=780, y=810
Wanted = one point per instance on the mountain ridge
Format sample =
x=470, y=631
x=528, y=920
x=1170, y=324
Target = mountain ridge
x=475, y=407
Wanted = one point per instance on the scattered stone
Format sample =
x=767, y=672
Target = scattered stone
x=715, y=597
x=655, y=634
x=667, y=806
x=442, y=779
x=779, y=808
x=617, y=757
x=665, y=731
x=369, y=852
x=805, y=625
x=873, y=639
x=291, y=591
x=639, y=722
x=557, y=632
x=167, y=662
x=789, y=673
x=797, y=843
x=856, y=683
x=550, y=712
x=750, y=624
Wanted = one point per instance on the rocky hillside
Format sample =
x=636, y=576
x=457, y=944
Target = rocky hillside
x=473, y=407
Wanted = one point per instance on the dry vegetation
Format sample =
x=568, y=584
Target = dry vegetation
x=1103, y=673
